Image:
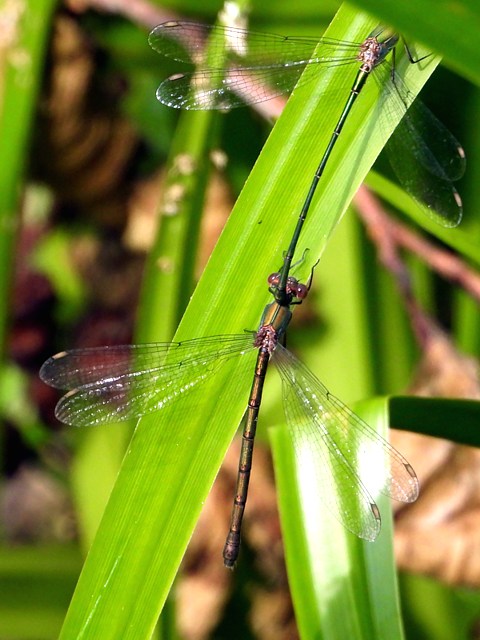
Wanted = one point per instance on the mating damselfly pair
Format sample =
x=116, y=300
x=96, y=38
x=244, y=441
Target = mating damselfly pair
x=118, y=383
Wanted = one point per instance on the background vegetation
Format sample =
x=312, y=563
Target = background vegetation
x=89, y=156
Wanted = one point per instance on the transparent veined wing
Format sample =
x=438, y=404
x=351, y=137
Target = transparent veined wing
x=258, y=66
x=108, y=384
x=186, y=42
x=426, y=158
x=350, y=460
x=226, y=89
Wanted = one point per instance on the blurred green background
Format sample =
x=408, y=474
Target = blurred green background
x=86, y=259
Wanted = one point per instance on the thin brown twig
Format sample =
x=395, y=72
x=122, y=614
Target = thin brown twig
x=141, y=12
x=388, y=234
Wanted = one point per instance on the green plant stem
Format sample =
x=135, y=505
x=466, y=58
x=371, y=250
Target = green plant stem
x=21, y=62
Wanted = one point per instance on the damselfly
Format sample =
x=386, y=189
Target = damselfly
x=259, y=66
x=109, y=384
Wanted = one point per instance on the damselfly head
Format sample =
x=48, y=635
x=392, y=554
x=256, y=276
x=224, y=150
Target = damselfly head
x=294, y=288
x=301, y=290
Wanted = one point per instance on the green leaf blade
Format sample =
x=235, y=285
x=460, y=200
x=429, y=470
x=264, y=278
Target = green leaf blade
x=175, y=454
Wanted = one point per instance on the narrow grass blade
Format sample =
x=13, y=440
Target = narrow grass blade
x=175, y=454
x=341, y=586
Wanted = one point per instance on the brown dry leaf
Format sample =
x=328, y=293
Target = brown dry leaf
x=82, y=150
x=438, y=535
x=203, y=588
x=272, y=615
x=35, y=508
